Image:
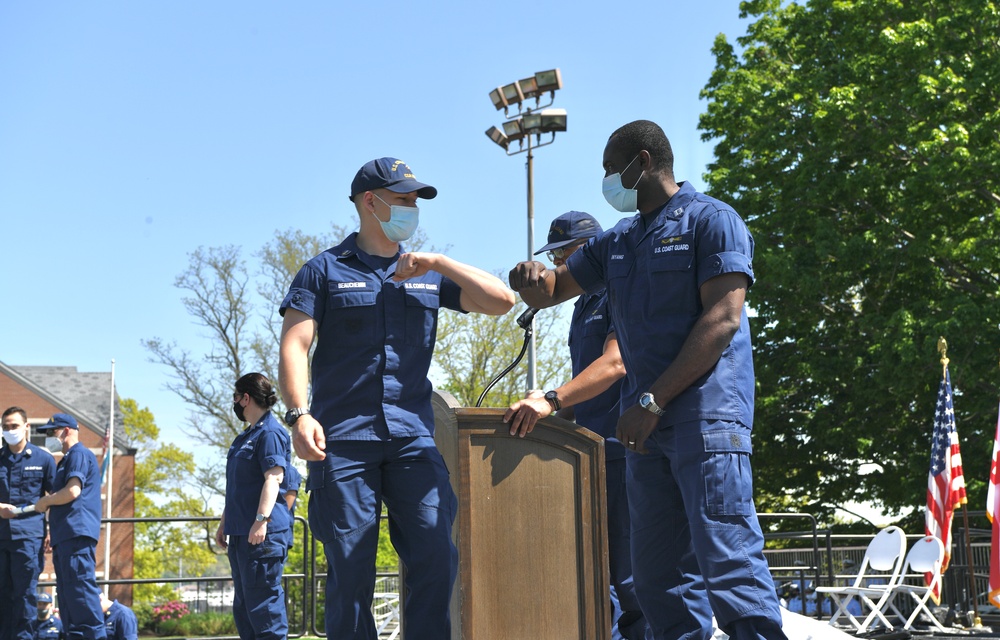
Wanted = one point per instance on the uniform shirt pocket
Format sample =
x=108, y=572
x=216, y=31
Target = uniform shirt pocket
x=351, y=314
x=421, y=316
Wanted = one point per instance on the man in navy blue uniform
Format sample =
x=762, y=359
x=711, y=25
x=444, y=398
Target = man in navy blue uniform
x=676, y=276
x=27, y=473
x=592, y=399
x=120, y=622
x=47, y=626
x=74, y=526
x=368, y=432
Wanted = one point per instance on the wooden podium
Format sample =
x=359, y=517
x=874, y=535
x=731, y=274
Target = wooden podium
x=531, y=529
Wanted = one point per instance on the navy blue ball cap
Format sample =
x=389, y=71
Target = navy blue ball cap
x=392, y=174
x=570, y=227
x=43, y=597
x=58, y=421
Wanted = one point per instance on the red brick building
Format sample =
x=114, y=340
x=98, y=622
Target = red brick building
x=42, y=391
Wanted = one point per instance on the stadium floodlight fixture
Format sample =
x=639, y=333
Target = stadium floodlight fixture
x=498, y=99
x=532, y=123
x=548, y=81
x=529, y=88
x=514, y=129
x=552, y=120
x=498, y=136
x=512, y=93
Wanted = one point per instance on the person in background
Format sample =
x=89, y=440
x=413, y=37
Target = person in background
x=259, y=533
x=46, y=625
x=119, y=621
x=74, y=527
x=27, y=473
x=592, y=399
x=368, y=431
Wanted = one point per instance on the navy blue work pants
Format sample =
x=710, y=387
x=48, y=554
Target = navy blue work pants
x=697, y=547
x=259, y=599
x=630, y=624
x=76, y=589
x=346, y=495
x=18, y=580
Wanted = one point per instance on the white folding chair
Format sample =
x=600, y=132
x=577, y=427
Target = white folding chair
x=924, y=558
x=883, y=561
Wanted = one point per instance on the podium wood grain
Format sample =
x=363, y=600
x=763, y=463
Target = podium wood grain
x=531, y=529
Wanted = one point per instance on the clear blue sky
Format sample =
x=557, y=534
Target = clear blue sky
x=132, y=133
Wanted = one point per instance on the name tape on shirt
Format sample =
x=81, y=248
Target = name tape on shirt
x=427, y=286
x=673, y=243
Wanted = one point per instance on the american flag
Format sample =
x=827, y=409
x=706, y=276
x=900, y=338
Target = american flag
x=993, y=513
x=945, y=484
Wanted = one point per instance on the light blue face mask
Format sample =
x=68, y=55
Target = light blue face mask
x=53, y=444
x=622, y=199
x=402, y=222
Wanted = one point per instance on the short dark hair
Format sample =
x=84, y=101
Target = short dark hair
x=259, y=388
x=13, y=410
x=645, y=134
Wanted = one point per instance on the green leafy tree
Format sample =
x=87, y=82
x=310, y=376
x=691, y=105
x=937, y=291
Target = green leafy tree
x=163, y=549
x=858, y=139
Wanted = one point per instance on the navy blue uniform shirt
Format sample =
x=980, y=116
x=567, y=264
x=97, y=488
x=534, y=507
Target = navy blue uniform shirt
x=24, y=478
x=49, y=629
x=653, y=278
x=588, y=330
x=81, y=517
x=260, y=447
x=376, y=337
x=120, y=622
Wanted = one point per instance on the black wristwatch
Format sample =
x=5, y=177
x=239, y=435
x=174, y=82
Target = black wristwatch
x=294, y=414
x=553, y=399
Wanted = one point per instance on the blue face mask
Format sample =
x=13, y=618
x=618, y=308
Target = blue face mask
x=402, y=222
x=622, y=199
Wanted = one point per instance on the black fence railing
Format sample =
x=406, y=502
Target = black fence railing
x=800, y=560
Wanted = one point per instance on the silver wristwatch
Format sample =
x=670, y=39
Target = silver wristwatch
x=647, y=402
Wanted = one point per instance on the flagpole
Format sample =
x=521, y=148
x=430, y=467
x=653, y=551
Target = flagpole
x=109, y=459
x=976, y=620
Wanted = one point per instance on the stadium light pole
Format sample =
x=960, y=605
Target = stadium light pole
x=526, y=127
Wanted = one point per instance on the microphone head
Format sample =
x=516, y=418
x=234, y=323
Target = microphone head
x=524, y=320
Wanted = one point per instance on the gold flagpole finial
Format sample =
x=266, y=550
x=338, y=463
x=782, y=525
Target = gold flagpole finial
x=942, y=348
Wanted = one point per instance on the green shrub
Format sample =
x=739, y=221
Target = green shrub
x=144, y=616
x=199, y=624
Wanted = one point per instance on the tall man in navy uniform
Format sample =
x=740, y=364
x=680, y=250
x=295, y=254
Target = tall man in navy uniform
x=47, y=626
x=592, y=399
x=676, y=276
x=27, y=473
x=368, y=433
x=74, y=526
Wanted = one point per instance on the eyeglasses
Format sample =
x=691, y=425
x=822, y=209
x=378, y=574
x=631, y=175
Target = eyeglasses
x=561, y=252
x=238, y=396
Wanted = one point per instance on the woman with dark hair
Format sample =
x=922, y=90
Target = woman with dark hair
x=259, y=534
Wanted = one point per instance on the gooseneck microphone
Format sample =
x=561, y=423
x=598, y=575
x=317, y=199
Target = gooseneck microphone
x=523, y=321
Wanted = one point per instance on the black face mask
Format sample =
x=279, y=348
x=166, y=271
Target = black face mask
x=238, y=410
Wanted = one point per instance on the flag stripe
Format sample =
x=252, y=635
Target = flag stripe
x=992, y=510
x=945, y=482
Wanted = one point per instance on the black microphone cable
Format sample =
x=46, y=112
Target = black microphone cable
x=523, y=321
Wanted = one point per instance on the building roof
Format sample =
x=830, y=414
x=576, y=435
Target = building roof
x=83, y=394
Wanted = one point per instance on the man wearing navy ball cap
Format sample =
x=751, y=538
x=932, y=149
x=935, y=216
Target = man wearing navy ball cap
x=74, y=527
x=368, y=433
x=592, y=399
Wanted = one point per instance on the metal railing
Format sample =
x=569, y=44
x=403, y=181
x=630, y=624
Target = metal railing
x=805, y=558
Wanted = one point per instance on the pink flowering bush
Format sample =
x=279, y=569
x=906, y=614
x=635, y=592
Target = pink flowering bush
x=172, y=610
